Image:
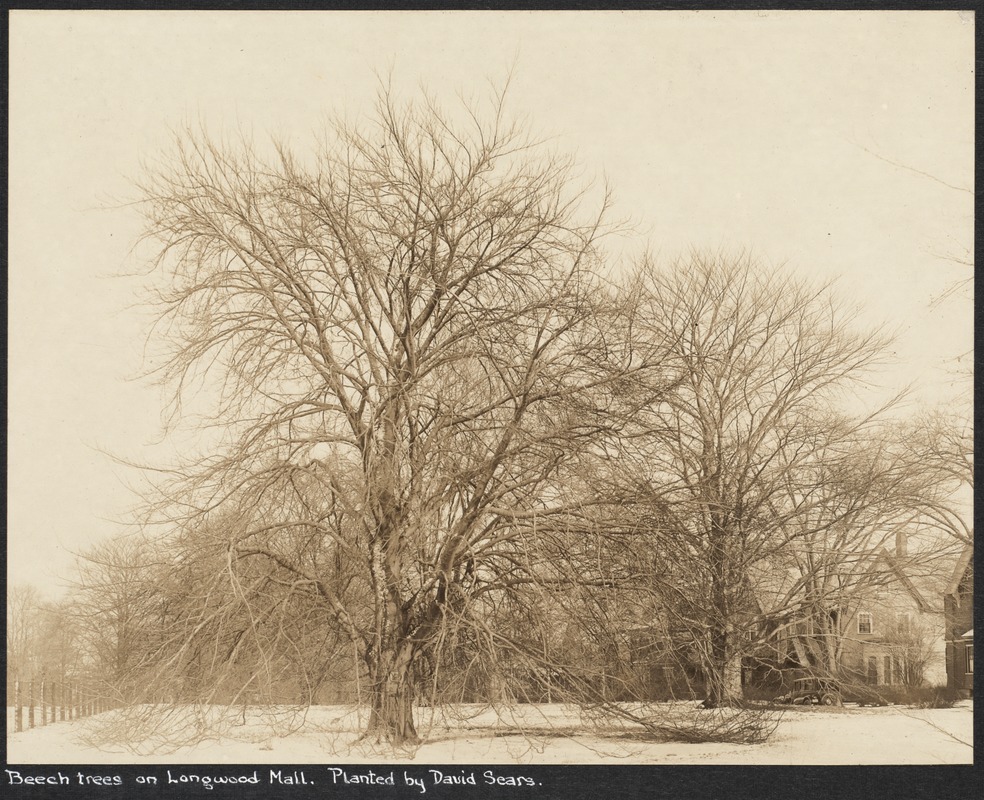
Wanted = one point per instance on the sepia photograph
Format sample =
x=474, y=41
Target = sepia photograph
x=395, y=392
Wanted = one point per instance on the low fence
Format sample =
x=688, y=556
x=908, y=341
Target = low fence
x=38, y=702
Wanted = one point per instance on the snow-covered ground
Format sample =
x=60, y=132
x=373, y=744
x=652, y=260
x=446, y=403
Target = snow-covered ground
x=529, y=735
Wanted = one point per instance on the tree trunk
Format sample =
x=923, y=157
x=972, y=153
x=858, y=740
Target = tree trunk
x=723, y=674
x=391, y=695
x=830, y=641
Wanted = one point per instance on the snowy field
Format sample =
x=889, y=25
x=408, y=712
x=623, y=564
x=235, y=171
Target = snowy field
x=549, y=734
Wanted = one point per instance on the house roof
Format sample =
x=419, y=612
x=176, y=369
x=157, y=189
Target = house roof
x=905, y=580
x=773, y=584
x=961, y=567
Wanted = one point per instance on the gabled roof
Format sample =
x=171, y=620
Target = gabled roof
x=905, y=580
x=966, y=557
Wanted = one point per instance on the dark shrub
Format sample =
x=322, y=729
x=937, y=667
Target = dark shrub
x=918, y=696
x=935, y=697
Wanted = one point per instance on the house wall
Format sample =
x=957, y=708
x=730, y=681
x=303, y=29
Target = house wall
x=901, y=623
x=873, y=657
x=959, y=610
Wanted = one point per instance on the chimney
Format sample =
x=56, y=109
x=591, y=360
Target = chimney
x=900, y=544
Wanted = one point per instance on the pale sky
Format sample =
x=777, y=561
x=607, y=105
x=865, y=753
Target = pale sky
x=840, y=143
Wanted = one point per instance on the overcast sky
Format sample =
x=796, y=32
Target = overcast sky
x=840, y=143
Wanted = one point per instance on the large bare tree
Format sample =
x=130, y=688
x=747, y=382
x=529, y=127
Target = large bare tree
x=403, y=345
x=113, y=606
x=864, y=533
x=732, y=466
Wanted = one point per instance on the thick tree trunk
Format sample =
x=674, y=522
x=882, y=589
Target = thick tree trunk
x=724, y=684
x=390, y=660
x=391, y=695
x=723, y=673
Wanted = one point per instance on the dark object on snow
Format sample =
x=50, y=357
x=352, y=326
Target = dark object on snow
x=807, y=691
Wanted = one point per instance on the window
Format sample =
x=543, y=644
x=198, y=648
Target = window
x=904, y=620
x=970, y=658
x=872, y=676
x=864, y=622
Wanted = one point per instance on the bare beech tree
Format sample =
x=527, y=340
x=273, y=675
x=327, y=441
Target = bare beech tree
x=42, y=640
x=238, y=629
x=24, y=612
x=940, y=447
x=730, y=465
x=409, y=346
x=854, y=540
x=113, y=607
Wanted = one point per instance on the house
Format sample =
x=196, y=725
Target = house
x=874, y=618
x=895, y=634
x=881, y=624
x=958, y=603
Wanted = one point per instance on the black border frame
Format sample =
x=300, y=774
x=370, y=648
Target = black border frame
x=576, y=782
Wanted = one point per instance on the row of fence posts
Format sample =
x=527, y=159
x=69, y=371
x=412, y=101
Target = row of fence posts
x=54, y=701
